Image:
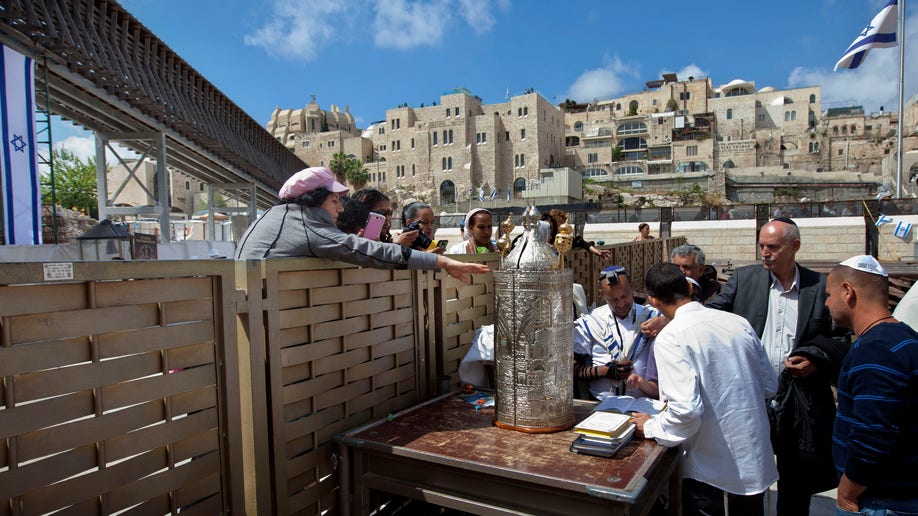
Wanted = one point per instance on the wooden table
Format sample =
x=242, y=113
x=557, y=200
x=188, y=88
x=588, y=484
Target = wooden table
x=447, y=453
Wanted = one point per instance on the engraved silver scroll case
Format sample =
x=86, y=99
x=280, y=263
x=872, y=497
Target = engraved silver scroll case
x=533, y=343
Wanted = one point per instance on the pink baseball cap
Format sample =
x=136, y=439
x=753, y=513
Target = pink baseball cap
x=309, y=179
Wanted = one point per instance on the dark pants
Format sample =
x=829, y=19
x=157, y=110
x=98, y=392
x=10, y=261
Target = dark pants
x=706, y=500
x=798, y=479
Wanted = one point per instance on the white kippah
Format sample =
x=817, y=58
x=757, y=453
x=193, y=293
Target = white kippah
x=865, y=263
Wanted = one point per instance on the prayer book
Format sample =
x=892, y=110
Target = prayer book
x=604, y=424
x=628, y=405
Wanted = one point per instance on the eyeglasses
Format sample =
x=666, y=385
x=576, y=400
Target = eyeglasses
x=612, y=276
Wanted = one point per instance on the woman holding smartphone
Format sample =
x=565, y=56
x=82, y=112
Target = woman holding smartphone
x=303, y=224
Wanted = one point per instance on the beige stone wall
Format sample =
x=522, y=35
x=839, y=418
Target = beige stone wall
x=821, y=239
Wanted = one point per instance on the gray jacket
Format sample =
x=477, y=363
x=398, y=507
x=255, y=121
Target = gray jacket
x=294, y=230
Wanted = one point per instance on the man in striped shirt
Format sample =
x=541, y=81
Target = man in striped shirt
x=875, y=439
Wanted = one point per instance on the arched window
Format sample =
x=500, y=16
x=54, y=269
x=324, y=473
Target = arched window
x=594, y=172
x=516, y=160
x=187, y=185
x=443, y=167
x=445, y=141
x=525, y=111
x=835, y=130
x=793, y=115
x=812, y=98
x=447, y=192
x=632, y=127
x=450, y=136
x=618, y=107
x=449, y=163
x=787, y=116
x=633, y=106
x=578, y=126
x=519, y=185
x=435, y=137
x=729, y=113
x=522, y=160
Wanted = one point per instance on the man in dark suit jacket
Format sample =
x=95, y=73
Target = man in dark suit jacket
x=802, y=352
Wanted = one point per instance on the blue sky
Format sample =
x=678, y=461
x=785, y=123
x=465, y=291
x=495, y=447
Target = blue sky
x=373, y=55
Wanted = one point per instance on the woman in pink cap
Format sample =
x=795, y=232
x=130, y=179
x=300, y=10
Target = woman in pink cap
x=303, y=224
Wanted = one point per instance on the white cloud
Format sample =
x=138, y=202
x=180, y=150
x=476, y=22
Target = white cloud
x=84, y=148
x=478, y=13
x=873, y=84
x=601, y=83
x=297, y=29
x=687, y=71
x=401, y=25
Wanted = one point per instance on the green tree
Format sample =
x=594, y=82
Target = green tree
x=357, y=174
x=339, y=165
x=74, y=183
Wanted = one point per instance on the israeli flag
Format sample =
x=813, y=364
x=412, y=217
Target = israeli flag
x=880, y=33
x=493, y=193
x=508, y=193
x=884, y=219
x=19, y=169
x=902, y=229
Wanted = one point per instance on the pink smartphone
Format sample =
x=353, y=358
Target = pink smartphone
x=374, y=225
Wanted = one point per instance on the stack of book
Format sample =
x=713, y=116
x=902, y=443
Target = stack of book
x=602, y=434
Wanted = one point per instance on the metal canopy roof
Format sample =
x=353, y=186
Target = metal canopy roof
x=107, y=72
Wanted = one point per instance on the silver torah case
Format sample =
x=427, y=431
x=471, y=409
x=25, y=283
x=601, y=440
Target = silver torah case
x=533, y=342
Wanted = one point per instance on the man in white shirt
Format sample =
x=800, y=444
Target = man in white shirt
x=785, y=304
x=715, y=377
x=610, y=351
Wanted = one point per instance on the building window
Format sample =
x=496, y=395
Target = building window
x=519, y=112
x=578, y=126
x=449, y=163
x=187, y=185
x=844, y=129
x=382, y=129
x=412, y=143
x=477, y=137
x=522, y=134
x=435, y=137
x=331, y=144
x=841, y=151
x=628, y=170
x=691, y=150
x=450, y=136
x=814, y=147
x=445, y=141
x=654, y=102
x=787, y=116
x=448, y=111
x=593, y=157
x=456, y=112
x=525, y=111
x=522, y=160
x=761, y=117
x=507, y=134
x=729, y=113
x=413, y=171
x=633, y=127
x=812, y=98
x=793, y=115
x=516, y=161
x=618, y=107
x=201, y=187
x=443, y=167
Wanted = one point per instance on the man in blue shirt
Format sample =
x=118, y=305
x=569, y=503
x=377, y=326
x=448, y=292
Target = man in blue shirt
x=875, y=438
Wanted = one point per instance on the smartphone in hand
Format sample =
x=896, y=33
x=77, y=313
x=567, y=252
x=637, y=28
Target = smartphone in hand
x=374, y=225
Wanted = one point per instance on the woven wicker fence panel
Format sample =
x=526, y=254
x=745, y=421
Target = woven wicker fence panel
x=464, y=307
x=341, y=352
x=110, y=392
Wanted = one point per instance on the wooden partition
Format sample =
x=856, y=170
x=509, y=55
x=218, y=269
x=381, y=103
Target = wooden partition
x=119, y=389
x=213, y=386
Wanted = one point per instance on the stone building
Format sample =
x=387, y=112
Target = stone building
x=733, y=141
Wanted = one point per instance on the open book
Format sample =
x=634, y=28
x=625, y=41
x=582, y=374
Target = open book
x=628, y=405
